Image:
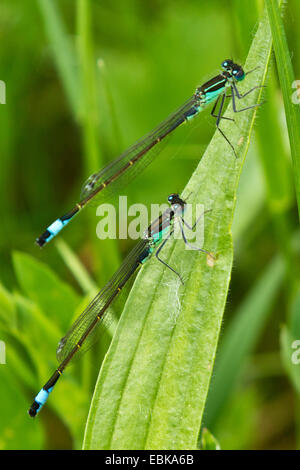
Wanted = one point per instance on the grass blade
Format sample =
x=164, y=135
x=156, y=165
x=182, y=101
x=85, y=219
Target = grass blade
x=277, y=178
x=76, y=267
x=287, y=78
x=241, y=337
x=90, y=117
x=63, y=52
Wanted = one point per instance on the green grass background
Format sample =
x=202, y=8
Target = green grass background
x=85, y=79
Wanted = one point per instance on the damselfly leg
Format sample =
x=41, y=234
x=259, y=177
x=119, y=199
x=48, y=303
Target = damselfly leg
x=235, y=93
x=218, y=119
x=183, y=222
x=162, y=261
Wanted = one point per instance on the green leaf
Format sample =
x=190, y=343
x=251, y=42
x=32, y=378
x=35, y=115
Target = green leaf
x=276, y=166
x=287, y=80
x=152, y=387
x=7, y=308
x=56, y=299
x=208, y=441
x=16, y=430
x=246, y=215
x=28, y=353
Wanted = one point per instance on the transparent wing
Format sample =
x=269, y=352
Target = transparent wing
x=131, y=162
x=99, y=306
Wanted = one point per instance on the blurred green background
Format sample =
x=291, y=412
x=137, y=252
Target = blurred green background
x=85, y=79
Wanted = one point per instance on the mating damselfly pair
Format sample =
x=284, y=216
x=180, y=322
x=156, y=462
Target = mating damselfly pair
x=120, y=171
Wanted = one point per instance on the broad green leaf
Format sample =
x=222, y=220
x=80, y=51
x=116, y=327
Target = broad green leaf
x=33, y=327
x=246, y=215
x=56, y=298
x=31, y=356
x=17, y=358
x=16, y=430
x=7, y=308
x=153, y=384
x=28, y=353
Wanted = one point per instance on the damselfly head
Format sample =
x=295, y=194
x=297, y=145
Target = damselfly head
x=235, y=70
x=175, y=200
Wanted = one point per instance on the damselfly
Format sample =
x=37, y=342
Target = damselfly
x=82, y=329
x=138, y=156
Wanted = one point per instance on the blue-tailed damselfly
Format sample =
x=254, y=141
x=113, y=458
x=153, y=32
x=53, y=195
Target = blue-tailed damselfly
x=131, y=162
x=154, y=239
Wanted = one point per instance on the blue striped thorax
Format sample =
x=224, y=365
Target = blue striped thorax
x=162, y=226
x=213, y=88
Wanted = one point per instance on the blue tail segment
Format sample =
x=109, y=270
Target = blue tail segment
x=56, y=227
x=43, y=395
x=39, y=402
